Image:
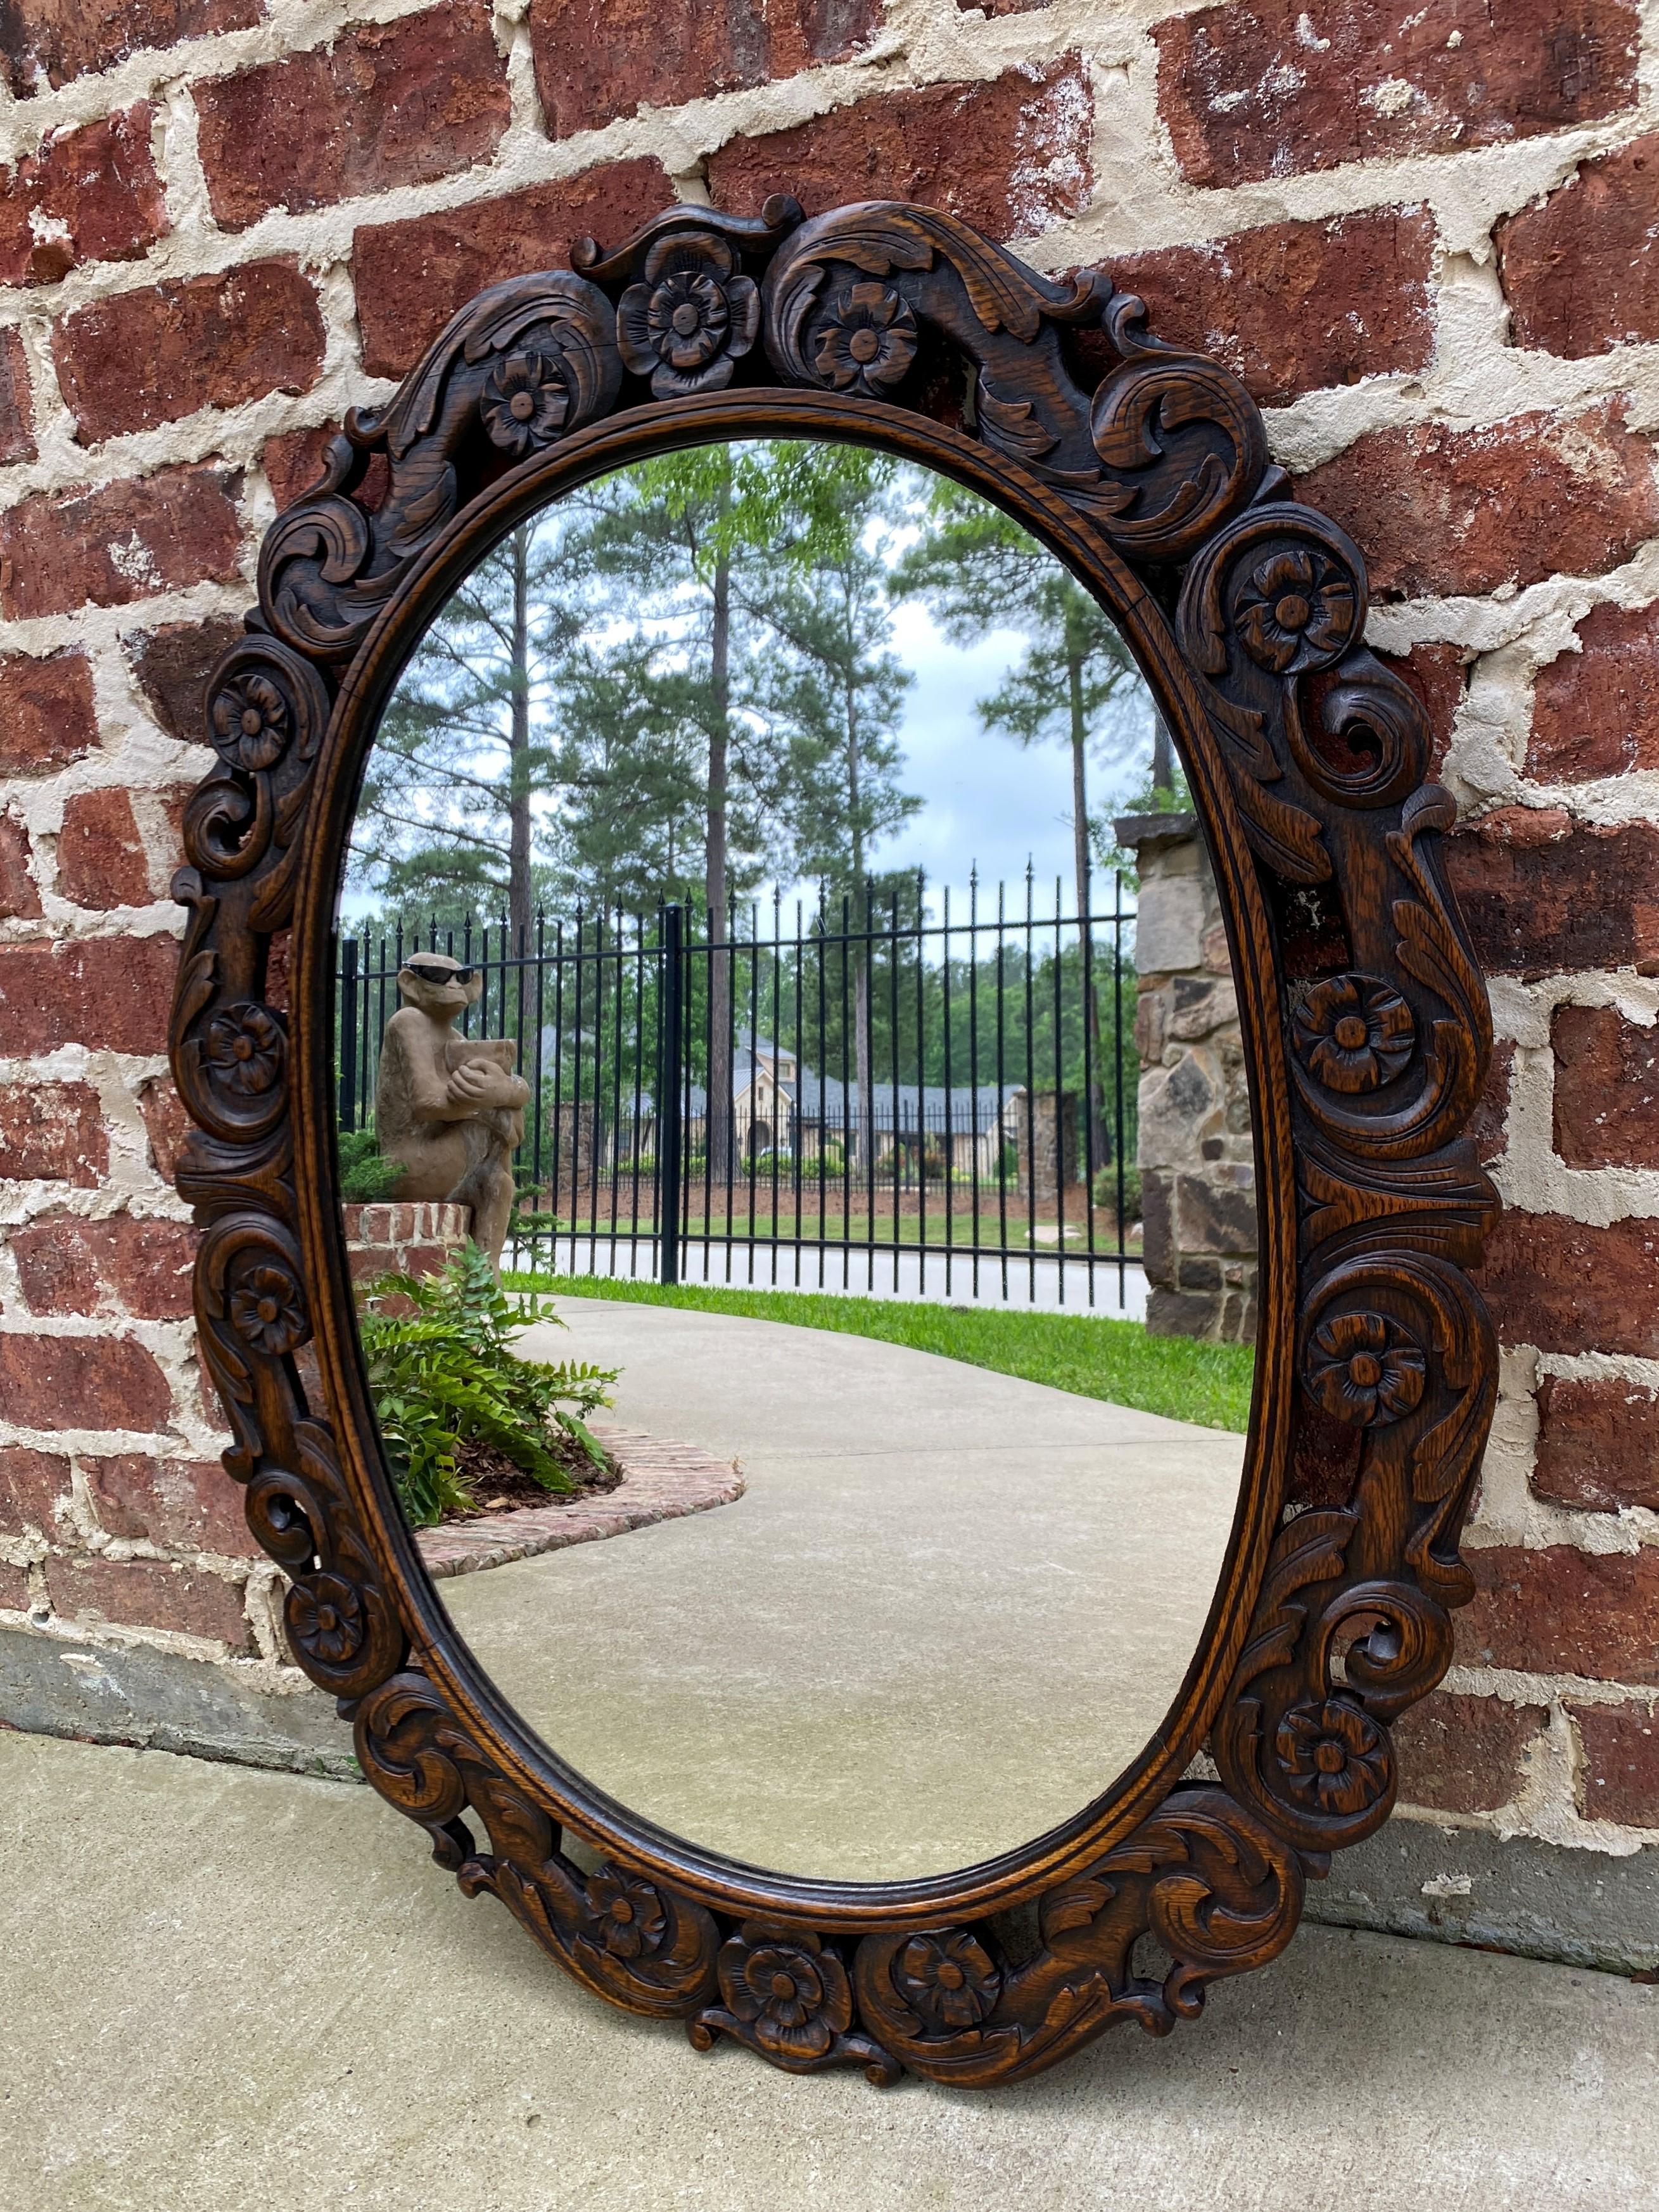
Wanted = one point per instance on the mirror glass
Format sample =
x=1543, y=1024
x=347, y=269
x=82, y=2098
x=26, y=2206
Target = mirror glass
x=774, y=931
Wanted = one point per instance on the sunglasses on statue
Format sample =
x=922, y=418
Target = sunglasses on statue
x=439, y=974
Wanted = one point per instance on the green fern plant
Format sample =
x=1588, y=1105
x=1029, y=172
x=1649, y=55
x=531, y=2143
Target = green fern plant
x=446, y=1374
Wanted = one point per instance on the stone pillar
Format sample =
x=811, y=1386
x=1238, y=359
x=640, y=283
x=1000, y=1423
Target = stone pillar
x=1045, y=1123
x=1195, y=1152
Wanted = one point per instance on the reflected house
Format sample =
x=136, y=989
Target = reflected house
x=781, y=1105
x=784, y=1112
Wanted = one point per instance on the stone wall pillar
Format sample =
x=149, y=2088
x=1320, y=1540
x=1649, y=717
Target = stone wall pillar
x=1046, y=1125
x=1195, y=1155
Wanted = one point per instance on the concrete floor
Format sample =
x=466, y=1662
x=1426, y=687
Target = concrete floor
x=225, y=1987
x=951, y=1606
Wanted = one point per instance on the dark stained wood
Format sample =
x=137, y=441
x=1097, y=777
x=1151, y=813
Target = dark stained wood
x=1365, y=1027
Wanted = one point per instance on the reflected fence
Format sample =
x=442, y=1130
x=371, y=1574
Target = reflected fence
x=884, y=1094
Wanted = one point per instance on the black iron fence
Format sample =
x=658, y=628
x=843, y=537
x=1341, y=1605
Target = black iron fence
x=891, y=1094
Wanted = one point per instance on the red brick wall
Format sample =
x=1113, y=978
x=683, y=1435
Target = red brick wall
x=1423, y=236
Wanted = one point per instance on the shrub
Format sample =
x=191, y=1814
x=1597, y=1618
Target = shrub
x=1105, y=1189
x=367, y=1175
x=446, y=1374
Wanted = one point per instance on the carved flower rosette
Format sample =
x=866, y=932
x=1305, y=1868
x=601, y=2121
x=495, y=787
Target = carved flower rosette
x=1365, y=1022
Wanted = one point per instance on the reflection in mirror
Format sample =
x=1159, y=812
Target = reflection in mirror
x=774, y=841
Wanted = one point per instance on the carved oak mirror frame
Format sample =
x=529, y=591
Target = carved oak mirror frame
x=1144, y=468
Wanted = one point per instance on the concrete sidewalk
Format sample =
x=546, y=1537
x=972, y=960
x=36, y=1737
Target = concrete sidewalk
x=951, y=1606
x=226, y=1987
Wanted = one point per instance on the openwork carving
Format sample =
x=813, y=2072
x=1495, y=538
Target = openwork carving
x=901, y=325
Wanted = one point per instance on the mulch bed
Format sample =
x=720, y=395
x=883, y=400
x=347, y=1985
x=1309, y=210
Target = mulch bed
x=500, y=1486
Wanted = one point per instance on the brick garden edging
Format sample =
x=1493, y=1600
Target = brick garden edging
x=660, y=1481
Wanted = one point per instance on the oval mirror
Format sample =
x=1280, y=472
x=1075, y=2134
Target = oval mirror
x=738, y=852
x=833, y=1065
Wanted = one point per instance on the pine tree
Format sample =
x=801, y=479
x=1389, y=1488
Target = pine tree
x=833, y=696
x=448, y=817
x=682, y=544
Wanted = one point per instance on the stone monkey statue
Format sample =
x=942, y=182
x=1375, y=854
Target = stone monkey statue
x=450, y=1107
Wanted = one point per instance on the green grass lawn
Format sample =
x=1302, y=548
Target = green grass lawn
x=1210, y=1383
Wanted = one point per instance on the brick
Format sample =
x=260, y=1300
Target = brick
x=1439, y=674
x=52, y=1132
x=1595, y=712
x=1464, y=1754
x=47, y=718
x=1011, y=156
x=1489, y=1123
x=48, y=42
x=1607, y=1088
x=81, y=1383
x=68, y=1264
x=16, y=402
x=165, y=1123
x=1564, y=1287
x=112, y=993
x=1275, y=88
x=149, y=1594
x=1543, y=896
x=293, y=462
x=411, y=276
x=1620, y=1777
x=122, y=542
x=1580, y=273
x=1297, y=307
x=184, y=1504
x=89, y=195
x=387, y=104
x=172, y=666
x=13, y=1588
x=1598, y=1443
x=32, y=1485
x=1559, y=1611
x=100, y=855
x=144, y=358
x=18, y=896
x=1437, y=511
x=597, y=59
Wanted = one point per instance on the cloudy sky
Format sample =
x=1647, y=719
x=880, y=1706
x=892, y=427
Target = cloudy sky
x=985, y=799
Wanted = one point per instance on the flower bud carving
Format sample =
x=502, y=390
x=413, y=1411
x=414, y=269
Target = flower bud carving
x=692, y=320
x=866, y=340
x=325, y=1619
x=1354, y=1034
x=244, y=1047
x=791, y=1993
x=524, y=403
x=1333, y=1756
x=268, y=1310
x=628, y=1914
x=1299, y=610
x=949, y=1979
x=1364, y=1369
x=251, y=721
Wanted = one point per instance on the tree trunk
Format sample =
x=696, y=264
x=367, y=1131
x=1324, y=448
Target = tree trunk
x=1098, y=1148
x=714, y=863
x=865, y=1152
x=518, y=819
